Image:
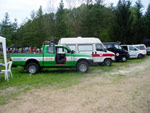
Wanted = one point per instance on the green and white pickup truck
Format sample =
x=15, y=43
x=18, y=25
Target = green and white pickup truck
x=53, y=56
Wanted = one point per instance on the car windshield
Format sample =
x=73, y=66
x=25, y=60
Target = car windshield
x=142, y=47
x=117, y=46
x=99, y=47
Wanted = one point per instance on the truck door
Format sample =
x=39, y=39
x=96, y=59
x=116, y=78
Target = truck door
x=60, y=58
x=132, y=52
x=64, y=56
x=49, y=56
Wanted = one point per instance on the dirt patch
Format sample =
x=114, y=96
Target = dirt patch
x=127, y=91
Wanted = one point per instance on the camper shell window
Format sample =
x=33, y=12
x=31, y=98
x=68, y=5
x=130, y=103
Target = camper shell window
x=72, y=46
x=85, y=47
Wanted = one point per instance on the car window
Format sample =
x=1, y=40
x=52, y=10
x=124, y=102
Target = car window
x=117, y=46
x=108, y=46
x=66, y=50
x=72, y=47
x=142, y=47
x=99, y=47
x=85, y=47
x=60, y=50
x=50, y=49
x=131, y=48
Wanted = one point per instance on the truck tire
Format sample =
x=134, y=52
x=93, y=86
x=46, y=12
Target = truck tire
x=107, y=62
x=32, y=68
x=82, y=66
x=124, y=59
x=140, y=56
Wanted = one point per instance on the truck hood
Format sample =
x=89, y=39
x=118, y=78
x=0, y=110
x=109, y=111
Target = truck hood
x=109, y=52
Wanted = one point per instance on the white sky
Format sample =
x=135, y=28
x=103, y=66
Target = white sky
x=20, y=9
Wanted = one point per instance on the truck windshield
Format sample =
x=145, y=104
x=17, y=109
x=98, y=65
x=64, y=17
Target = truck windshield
x=100, y=47
x=117, y=46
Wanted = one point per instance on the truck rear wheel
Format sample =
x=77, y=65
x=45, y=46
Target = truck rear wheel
x=83, y=66
x=32, y=68
x=107, y=62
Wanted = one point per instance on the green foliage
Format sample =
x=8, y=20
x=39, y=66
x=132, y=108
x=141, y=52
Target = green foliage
x=8, y=29
x=122, y=28
x=125, y=23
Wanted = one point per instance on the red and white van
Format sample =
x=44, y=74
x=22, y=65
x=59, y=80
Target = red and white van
x=89, y=45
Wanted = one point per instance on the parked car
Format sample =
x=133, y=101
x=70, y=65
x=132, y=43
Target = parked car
x=90, y=45
x=141, y=47
x=120, y=53
x=53, y=56
x=148, y=50
x=133, y=51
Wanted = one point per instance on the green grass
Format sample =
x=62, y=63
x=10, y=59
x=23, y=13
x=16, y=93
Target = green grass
x=57, y=78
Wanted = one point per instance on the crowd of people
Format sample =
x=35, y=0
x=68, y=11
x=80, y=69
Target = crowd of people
x=24, y=50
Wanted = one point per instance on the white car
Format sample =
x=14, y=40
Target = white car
x=89, y=45
x=133, y=51
x=141, y=47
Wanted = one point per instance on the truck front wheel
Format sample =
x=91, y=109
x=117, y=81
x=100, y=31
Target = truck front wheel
x=32, y=68
x=82, y=66
x=107, y=62
x=140, y=56
x=124, y=59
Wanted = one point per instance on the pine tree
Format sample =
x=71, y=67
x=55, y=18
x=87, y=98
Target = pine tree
x=61, y=26
x=122, y=28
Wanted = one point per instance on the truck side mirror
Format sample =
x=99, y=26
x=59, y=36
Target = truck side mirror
x=72, y=51
x=105, y=50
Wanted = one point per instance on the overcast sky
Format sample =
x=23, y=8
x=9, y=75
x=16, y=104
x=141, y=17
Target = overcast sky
x=20, y=9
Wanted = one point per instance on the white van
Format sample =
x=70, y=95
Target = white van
x=141, y=47
x=133, y=51
x=90, y=45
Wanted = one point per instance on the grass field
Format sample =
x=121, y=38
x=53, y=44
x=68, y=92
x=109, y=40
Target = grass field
x=56, y=78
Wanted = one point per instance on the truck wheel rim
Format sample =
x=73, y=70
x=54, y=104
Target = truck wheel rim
x=32, y=69
x=83, y=68
x=124, y=58
x=107, y=63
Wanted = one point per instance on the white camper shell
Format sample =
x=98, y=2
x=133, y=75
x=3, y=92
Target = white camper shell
x=141, y=47
x=133, y=51
x=89, y=45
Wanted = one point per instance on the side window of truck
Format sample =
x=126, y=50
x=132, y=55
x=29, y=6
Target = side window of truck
x=85, y=47
x=131, y=48
x=50, y=49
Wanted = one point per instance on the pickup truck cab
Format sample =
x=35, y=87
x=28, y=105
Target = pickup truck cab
x=53, y=56
x=133, y=51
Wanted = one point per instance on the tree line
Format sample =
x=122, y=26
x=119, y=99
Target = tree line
x=124, y=23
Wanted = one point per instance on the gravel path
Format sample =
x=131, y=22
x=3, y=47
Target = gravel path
x=126, y=90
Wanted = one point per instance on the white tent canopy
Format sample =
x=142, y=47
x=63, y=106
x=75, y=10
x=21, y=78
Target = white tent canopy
x=3, y=41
